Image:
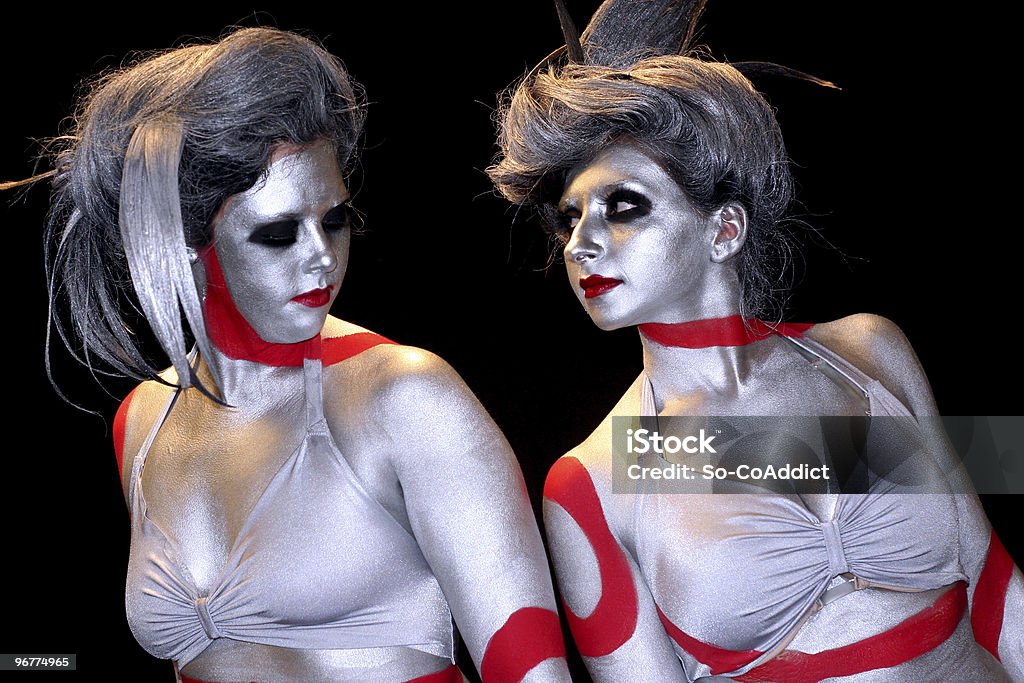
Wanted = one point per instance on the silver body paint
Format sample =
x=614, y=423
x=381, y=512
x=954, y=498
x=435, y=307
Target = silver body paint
x=417, y=442
x=300, y=186
x=770, y=377
x=661, y=257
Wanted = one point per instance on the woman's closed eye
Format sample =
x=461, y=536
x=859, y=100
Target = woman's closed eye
x=341, y=217
x=276, y=234
x=285, y=232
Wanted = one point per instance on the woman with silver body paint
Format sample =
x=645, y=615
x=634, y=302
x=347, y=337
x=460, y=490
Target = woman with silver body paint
x=309, y=500
x=665, y=180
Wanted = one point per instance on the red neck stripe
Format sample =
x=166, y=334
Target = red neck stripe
x=232, y=334
x=337, y=349
x=732, y=330
x=120, y=420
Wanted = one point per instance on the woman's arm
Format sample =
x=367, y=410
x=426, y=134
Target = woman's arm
x=611, y=613
x=470, y=513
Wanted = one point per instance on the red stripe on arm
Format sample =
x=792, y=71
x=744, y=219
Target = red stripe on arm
x=717, y=658
x=337, y=349
x=118, y=429
x=530, y=636
x=614, y=619
x=990, y=596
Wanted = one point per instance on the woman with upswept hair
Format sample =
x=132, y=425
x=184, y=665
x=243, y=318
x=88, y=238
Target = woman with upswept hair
x=308, y=500
x=664, y=178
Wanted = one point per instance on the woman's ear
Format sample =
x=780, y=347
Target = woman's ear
x=730, y=221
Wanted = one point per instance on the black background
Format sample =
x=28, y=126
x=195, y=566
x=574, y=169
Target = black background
x=898, y=170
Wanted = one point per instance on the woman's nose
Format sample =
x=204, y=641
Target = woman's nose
x=584, y=243
x=323, y=258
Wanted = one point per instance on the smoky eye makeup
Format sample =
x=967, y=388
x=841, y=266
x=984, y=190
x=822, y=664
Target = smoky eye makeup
x=277, y=234
x=340, y=217
x=561, y=218
x=563, y=222
x=622, y=205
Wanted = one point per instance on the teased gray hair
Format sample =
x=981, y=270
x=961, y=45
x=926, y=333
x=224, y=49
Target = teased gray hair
x=156, y=149
x=715, y=135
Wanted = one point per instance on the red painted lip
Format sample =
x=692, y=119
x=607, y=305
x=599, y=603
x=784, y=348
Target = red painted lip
x=315, y=298
x=596, y=285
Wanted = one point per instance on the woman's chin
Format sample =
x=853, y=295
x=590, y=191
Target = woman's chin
x=294, y=334
x=607, y=323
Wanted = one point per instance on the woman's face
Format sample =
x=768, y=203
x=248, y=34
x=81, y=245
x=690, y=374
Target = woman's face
x=283, y=244
x=636, y=250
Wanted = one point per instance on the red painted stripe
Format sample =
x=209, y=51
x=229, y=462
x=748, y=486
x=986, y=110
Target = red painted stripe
x=731, y=330
x=118, y=429
x=530, y=636
x=614, y=619
x=228, y=329
x=911, y=638
x=717, y=658
x=337, y=349
x=449, y=675
x=990, y=596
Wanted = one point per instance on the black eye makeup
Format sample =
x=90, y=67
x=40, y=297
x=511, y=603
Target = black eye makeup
x=277, y=234
x=563, y=222
x=340, y=217
x=284, y=232
x=622, y=205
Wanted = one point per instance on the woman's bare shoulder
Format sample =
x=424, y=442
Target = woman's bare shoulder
x=336, y=327
x=879, y=348
x=389, y=384
x=134, y=418
x=383, y=365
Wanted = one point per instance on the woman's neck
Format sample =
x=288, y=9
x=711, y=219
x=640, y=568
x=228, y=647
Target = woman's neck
x=678, y=372
x=687, y=360
x=239, y=360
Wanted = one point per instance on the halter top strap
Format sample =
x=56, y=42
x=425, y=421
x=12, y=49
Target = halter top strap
x=312, y=371
x=847, y=371
x=140, y=457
